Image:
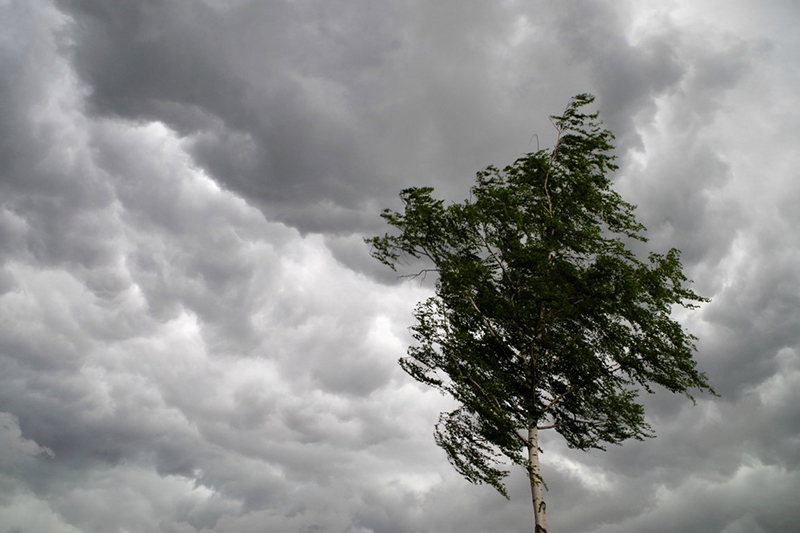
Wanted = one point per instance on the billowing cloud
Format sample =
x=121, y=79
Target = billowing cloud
x=193, y=336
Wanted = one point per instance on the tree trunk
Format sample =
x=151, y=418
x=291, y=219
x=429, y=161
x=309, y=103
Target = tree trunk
x=539, y=506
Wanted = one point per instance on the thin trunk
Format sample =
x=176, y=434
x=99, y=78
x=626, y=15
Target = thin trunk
x=539, y=507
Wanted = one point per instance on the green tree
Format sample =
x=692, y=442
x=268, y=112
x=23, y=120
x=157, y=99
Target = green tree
x=543, y=317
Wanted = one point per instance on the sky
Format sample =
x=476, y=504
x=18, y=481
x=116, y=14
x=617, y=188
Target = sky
x=194, y=338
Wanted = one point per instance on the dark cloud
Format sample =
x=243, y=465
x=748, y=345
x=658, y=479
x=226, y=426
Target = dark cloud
x=312, y=111
x=267, y=94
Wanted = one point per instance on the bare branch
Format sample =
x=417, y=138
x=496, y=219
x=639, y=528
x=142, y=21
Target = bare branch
x=424, y=272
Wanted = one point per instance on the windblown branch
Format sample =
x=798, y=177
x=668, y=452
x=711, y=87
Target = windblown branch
x=557, y=399
x=484, y=319
x=491, y=252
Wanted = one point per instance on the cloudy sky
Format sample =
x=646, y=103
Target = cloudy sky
x=193, y=336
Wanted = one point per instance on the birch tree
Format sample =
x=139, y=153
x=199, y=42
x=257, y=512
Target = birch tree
x=543, y=317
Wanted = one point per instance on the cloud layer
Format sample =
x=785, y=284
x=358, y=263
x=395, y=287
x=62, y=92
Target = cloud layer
x=193, y=337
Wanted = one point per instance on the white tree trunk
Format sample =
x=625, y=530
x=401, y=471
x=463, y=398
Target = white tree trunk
x=539, y=507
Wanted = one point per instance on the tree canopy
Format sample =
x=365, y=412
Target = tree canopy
x=543, y=316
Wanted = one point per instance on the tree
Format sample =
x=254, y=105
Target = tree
x=543, y=317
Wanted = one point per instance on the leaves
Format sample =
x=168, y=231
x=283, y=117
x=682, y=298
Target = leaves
x=542, y=314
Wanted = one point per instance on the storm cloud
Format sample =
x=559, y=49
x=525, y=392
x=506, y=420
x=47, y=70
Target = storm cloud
x=193, y=336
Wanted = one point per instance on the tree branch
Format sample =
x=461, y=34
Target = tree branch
x=557, y=399
x=483, y=318
x=497, y=260
x=424, y=272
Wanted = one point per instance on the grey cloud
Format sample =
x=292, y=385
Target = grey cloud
x=300, y=91
x=626, y=77
x=274, y=109
x=196, y=359
x=754, y=500
x=283, y=125
x=15, y=447
x=96, y=355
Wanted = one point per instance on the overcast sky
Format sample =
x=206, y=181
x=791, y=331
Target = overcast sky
x=193, y=336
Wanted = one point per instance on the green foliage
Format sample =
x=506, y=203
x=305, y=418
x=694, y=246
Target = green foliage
x=543, y=317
